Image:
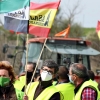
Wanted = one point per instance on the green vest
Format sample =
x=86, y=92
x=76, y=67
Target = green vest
x=89, y=83
x=19, y=94
x=19, y=84
x=45, y=94
x=67, y=90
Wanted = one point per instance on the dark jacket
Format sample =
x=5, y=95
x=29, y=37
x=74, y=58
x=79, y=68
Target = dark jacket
x=42, y=86
x=8, y=93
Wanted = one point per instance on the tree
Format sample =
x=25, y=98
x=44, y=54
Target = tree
x=64, y=18
x=95, y=42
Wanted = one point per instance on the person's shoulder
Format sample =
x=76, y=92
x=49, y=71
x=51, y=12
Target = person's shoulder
x=32, y=84
x=89, y=90
x=89, y=93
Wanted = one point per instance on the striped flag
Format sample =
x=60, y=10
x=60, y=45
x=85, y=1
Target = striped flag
x=16, y=14
x=98, y=29
x=12, y=5
x=42, y=17
x=64, y=33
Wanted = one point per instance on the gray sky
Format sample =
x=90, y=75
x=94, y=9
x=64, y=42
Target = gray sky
x=90, y=10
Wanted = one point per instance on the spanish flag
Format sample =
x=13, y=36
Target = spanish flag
x=98, y=29
x=64, y=33
x=42, y=17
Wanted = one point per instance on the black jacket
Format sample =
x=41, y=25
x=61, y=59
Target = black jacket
x=8, y=93
x=42, y=86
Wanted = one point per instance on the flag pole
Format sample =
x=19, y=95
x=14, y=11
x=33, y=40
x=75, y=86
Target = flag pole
x=26, y=63
x=37, y=64
x=17, y=42
x=16, y=49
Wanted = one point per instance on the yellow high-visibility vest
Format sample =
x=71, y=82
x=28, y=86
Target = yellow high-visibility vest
x=67, y=90
x=89, y=83
x=54, y=83
x=44, y=95
x=19, y=84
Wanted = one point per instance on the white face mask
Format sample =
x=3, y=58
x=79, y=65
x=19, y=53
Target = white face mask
x=45, y=76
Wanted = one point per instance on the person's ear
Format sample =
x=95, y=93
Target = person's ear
x=53, y=76
x=74, y=77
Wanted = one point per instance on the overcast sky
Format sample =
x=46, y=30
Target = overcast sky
x=90, y=10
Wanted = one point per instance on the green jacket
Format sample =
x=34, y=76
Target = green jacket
x=11, y=93
x=19, y=94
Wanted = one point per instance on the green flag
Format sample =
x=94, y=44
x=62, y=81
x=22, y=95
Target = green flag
x=12, y=5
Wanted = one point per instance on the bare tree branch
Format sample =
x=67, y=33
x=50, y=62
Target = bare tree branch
x=71, y=13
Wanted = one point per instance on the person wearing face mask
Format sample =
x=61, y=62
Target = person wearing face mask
x=63, y=85
x=20, y=82
x=85, y=88
x=7, y=78
x=44, y=90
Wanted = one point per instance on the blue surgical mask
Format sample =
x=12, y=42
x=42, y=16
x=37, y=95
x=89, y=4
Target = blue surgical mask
x=71, y=80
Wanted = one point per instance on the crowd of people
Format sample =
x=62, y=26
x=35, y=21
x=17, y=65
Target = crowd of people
x=51, y=82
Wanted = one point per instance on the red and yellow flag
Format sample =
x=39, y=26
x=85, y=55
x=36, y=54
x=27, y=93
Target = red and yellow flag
x=98, y=29
x=42, y=17
x=64, y=33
